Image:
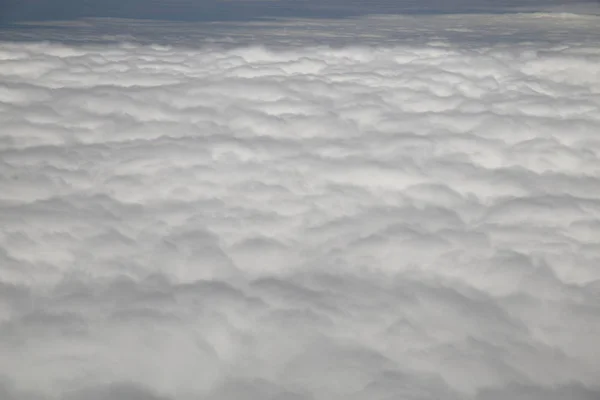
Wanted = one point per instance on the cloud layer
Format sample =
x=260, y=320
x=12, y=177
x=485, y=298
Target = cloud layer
x=415, y=222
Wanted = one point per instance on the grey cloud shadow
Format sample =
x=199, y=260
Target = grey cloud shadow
x=116, y=391
x=575, y=391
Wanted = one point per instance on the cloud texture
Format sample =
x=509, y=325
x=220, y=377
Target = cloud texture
x=358, y=222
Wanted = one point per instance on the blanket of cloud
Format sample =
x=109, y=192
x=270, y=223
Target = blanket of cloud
x=312, y=222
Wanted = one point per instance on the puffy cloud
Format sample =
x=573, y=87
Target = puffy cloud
x=309, y=222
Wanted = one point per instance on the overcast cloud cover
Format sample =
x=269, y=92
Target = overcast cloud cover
x=291, y=212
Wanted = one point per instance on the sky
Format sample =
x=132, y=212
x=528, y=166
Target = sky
x=220, y=10
x=361, y=205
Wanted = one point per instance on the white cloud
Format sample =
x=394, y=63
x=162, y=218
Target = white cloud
x=408, y=221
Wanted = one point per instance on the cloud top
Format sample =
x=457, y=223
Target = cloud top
x=249, y=222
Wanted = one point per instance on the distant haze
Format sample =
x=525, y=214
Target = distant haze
x=215, y=10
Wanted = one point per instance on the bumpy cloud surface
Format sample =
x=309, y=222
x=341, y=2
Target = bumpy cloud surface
x=406, y=222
